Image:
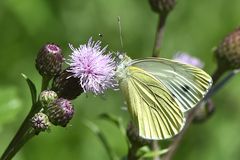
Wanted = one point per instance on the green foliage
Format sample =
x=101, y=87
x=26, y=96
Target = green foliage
x=194, y=26
x=32, y=88
x=10, y=104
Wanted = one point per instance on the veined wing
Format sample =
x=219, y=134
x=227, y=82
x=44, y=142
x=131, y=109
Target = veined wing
x=151, y=105
x=187, y=83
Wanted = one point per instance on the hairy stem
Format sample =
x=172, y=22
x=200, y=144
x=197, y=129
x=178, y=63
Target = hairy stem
x=132, y=153
x=173, y=147
x=23, y=134
x=156, y=147
x=159, y=34
x=217, y=74
x=45, y=82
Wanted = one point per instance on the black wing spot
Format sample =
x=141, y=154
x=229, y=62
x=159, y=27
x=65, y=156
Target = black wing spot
x=185, y=88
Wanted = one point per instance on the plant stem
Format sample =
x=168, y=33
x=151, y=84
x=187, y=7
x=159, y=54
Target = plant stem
x=173, y=147
x=220, y=84
x=156, y=147
x=132, y=153
x=45, y=82
x=23, y=134
x=156, y=51
x=217, y=74
x=159, y=34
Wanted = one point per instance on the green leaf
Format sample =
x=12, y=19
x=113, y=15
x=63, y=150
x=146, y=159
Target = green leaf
x=117, y=121
x=10, y=104
x=145, y=152
x=32, y=88
x=96, y=130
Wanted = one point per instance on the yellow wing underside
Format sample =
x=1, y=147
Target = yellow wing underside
x=151, y=105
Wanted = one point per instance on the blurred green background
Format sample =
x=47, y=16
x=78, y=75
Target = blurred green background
x=194, y=26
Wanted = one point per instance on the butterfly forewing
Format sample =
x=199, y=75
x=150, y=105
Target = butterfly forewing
x=151, y=105
x=186, y=83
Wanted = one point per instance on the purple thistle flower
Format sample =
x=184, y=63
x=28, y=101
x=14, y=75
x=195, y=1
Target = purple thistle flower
x=94, y=69
x=186, y=58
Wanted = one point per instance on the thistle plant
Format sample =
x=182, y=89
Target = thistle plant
x=92, y=69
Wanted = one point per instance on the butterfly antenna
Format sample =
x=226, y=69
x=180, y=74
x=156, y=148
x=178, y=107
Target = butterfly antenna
x=120, y=31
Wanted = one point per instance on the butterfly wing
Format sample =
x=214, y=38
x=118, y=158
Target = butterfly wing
x=151, y=105
x=185, y=82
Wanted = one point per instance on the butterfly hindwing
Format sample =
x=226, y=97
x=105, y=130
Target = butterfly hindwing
x=186, y=83
x=151, y=105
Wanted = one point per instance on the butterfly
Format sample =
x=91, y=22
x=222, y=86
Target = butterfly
x=158, y=92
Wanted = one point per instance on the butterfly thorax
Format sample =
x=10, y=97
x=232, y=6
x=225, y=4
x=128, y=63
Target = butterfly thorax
x=122, y=71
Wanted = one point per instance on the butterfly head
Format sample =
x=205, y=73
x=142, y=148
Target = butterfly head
x=122, y=61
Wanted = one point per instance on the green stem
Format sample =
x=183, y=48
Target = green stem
x=45, y=82
x=156, y=147
x=132, y=153
x=23, y=134
x=218, y=73
x=159, y=34
x=220, y=84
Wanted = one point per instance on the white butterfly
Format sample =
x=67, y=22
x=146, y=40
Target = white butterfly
x=158, y=91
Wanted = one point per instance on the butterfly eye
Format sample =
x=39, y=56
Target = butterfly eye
x=120, y=56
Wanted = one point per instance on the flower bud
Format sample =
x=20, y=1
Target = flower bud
x=47, y=97
x=162, y=6
x=40, y=122
x=66, y=86
x=204, y=111
x=49, y=60
x=60, y=112
x=228, y=52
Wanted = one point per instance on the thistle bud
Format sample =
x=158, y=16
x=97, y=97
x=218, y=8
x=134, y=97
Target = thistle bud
x=40, y=122
x=49, y=60
x=60, y=112
x=47, y=97
x=204, y=111
x=228, y=51
x=66, y=86
x=162, y=6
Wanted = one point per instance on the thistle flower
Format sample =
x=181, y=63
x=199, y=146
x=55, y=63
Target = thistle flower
x=94, y=69
x=186, y=58
x=60, y=112
x=49, y=60
x=40, y=122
